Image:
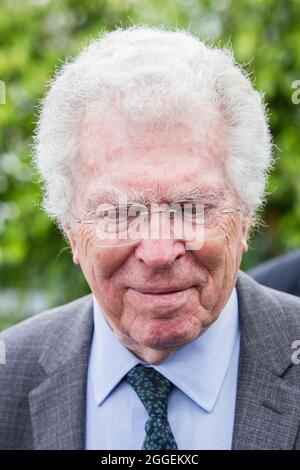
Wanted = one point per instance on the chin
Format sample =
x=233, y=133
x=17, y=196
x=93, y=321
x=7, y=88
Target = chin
x=166, y=334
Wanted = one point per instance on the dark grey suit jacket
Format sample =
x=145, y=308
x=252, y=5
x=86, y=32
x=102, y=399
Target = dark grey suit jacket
x=281, y=273
x=43, y=384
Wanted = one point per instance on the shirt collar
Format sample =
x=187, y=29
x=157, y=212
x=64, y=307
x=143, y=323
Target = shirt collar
x=197, y=368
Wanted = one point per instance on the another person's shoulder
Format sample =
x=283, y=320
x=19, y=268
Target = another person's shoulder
x=282, y=273
x=291, y=258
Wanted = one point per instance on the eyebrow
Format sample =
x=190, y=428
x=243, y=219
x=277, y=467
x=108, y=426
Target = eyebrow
x=113, y=195
x=200, y=192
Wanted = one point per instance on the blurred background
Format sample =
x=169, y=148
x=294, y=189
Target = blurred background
x=36, y=269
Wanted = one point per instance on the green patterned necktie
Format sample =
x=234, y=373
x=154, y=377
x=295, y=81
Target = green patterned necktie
x=153, y=390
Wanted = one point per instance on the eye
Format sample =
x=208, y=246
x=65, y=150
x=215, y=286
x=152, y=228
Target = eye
x=191, y=210
x=112, y=215
x=185, y=209
x=118, y=215
x=208, y=209
x=194, y=211
x=135, y=211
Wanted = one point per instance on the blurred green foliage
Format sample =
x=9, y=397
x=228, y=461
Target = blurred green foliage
x=36, y=269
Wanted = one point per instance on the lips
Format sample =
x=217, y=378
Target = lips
x=161, y=299
x=161, y=290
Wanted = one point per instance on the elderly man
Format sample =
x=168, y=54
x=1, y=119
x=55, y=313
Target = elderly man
x=154, y=149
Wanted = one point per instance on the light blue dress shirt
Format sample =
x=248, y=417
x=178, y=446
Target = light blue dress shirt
x=201, y=405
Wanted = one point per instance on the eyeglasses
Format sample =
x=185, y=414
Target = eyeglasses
x=125, y=224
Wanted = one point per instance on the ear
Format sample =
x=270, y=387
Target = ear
x=246, y=224
x=71, y=237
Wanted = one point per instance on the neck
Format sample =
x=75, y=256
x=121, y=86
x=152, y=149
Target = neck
x=146, y=354
x=152, y=356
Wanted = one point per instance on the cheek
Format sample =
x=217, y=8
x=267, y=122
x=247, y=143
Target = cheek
x=104, y=262
x=223, y=254
x=211, y=255
x=111, y=262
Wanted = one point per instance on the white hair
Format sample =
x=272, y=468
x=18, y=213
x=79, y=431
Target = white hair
x=151, y=74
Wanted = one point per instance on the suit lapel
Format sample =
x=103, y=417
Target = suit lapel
x=267, y=408
x=58, y=404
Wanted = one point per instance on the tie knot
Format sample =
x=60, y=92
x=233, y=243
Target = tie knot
x=152, y=388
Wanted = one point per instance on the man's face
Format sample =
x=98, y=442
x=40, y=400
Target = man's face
x=155, y=294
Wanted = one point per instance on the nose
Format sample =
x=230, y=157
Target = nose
x=159, y=254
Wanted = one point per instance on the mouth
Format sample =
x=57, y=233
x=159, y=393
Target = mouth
x=161, y=290
x=163, y=297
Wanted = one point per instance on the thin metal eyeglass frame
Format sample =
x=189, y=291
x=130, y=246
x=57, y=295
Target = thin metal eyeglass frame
x=155, y=211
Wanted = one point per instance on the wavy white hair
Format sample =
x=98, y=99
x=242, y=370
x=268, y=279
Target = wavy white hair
x=160, y=76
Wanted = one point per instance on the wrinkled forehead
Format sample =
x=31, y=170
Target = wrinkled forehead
x=161, y=162
x=105, y=137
